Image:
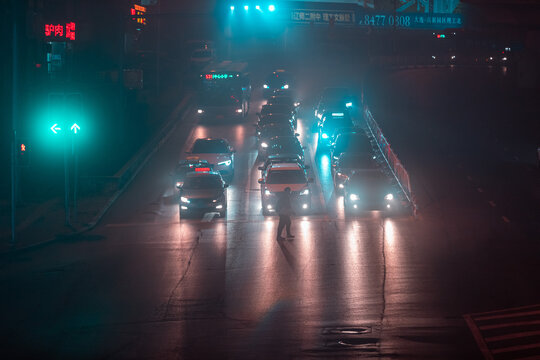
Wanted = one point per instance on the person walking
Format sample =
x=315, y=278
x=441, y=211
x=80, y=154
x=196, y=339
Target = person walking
x=284, y=210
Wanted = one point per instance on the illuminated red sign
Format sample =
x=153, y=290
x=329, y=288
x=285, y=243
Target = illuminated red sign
x=202, y=169
x=60, y=31
x=138, y=10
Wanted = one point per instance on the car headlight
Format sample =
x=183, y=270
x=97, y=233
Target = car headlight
x=353, y=197
x=304, y=192
x=349, y=104
x=219, y=207
x=200, y=111
x=305, y=206
x=297, y=104
x=179, y=184
x=286, y=86
x=226, y=162
x=265, y=86
x=267, y=192
x=264, y=145
x=341, y=186
x=389, y=197
x=325, y=136
x=184, y=199
x=239, y=110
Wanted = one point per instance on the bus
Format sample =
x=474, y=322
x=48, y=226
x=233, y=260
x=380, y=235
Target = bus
x=224, y=90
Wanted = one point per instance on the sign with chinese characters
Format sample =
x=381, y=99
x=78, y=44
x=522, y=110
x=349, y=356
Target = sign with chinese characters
x=319, y=16
x=58, y=32
x=413, y=14
x=138, y=10
x=412, y=20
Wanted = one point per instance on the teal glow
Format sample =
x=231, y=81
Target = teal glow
x=271, y=8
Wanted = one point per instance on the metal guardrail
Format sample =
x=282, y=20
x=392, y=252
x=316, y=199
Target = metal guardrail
x=395, y=165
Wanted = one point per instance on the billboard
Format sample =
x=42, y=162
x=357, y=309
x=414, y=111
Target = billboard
x=405, y=14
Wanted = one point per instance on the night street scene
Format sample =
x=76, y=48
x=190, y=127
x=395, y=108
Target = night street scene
x=226, y=179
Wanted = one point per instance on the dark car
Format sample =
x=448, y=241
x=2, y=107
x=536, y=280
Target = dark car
x=336, y=98
x=278, y=80
x=269, y=109
x=203, y=192
x=355, y=142
x=285, y=145
x=270, y=131
x=368, y=190
x=286, y=103
x=331, y=125
x=187, y=166
x=347, y=164
x=282, y=119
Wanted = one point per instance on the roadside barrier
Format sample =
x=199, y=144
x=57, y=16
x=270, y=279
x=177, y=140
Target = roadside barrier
x=397, y=168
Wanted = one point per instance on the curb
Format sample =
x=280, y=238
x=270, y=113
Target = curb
x=144, y=155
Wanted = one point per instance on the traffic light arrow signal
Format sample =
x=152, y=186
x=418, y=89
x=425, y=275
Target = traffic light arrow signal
x=75, y=128
x=55, y=128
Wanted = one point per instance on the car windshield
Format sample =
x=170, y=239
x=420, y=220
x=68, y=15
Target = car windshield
x=203, y=182
x=210, y=147
x=202, y=54
x=357, y=162
x=334, y=123
x=349, y=142
x=286, y=177
x=285, y=147
x=281, y=100
x=276, y=109
x=272, y=130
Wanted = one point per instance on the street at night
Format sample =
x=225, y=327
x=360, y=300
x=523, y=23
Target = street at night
x=451, y=273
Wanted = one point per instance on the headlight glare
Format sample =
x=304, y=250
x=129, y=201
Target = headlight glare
x=226, y=162
x=264, y=145
x=389, y=197
x=184, y=199
x=353, y=197
x=304, y=192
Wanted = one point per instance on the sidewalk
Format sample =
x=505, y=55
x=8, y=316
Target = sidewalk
x=40, y=223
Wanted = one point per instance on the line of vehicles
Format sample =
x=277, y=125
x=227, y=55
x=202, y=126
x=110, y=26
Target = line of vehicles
x=203, y=176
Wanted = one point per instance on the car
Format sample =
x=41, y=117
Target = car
x=355, y=142
x=347, y=164
x=201, y=57
x=278, y=109
x=270, y=131
x=335, y=98
x=187, y=166
x=282, y=158
x=278, y=80
x=282, y=119
x=284, y=103
x=217, y=152
x=279, y=176
x=369, y=189
x=285, y=145
x=329, y=126
x=203, y=192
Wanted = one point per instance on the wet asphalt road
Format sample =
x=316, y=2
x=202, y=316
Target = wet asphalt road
x=146, y=284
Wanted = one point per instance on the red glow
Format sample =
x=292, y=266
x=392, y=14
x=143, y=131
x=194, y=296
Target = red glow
x=202, y=169
x=23, y=148
x=208, y=76
x=38, y=66
x=57, y=30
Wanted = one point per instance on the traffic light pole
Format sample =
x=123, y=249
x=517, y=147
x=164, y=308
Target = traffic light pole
x=15, y=6
x=66, y=181
x=75, y=174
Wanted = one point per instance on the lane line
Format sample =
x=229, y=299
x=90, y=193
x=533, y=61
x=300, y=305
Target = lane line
x=517, y=335
x=478, y=338
x=506, y=316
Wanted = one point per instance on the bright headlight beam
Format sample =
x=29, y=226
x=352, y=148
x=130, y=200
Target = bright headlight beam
x=271, y=8
x=232, y=8
x=325, y=136
x=246, y=7
x=353, y=197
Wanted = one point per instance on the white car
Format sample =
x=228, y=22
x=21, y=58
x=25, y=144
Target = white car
x=277, y=177
x=217, y=152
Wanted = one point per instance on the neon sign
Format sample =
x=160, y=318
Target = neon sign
x=138, y=10
x=218, y=76
x=57, y=31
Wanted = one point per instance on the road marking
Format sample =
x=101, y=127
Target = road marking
x=492, y=203
x=505, y=219
x=518, y=335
